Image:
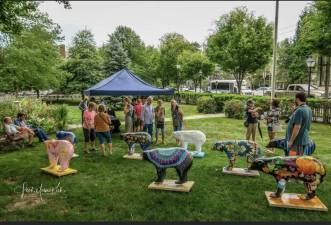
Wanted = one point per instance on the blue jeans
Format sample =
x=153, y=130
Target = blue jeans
x=178, y=128
x=104, y=136
x=149, y=129
x=40, y=133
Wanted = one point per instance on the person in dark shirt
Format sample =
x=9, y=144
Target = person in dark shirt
x=251, y=120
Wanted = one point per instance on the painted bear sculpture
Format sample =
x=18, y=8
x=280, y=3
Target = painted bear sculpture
x=306, y=169
x=142, y=138
x=163, y=158
x=281, y=143
x=196, y=137
x=59, y=151
x=234, y=149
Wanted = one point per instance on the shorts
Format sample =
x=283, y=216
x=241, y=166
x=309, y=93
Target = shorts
x=104, y=136
x=270, y=129
x=89, y=135
x=160, y=125
x=137, y=122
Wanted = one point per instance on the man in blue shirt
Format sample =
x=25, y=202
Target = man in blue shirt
x=147, y=116
x=298, y=127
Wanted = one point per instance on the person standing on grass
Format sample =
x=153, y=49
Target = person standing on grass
x=273, y=121
x=298, y=127
x=251, y=120
x=101, y=124
x=88, y=127
x=138, y=108
x=177, y=117
x=159, y=120
x=128, y=112
x=82, y=107
x=147, y=116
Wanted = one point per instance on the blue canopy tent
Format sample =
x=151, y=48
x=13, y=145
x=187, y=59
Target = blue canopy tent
x=124, y=82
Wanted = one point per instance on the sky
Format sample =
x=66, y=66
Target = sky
x=152, y=19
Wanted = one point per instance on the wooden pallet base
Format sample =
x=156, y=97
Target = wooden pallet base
x=57, y=172
x=135, y=156
x=291, y=200
x=197, y=154
x=241, y=172
x=169, y=185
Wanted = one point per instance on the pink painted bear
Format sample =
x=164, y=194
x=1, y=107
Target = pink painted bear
x=59, y=150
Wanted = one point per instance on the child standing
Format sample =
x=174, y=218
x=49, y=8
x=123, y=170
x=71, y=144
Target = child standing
x=159, y=120
x=273, y=122
x=251, y=120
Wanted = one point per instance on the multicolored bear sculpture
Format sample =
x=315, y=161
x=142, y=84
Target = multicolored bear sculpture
x=306, y=169
x=242, y=148
x=282, y=144
x=59, y=151
x=163, y=158
x=142, y=138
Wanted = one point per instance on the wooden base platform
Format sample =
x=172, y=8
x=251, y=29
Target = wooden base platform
x=56, y=171
x=197, y=154
x=241, y=172
x=169, y=185
x=290, y=200
x=135, y=156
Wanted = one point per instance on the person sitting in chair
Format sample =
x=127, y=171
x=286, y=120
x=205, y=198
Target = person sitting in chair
x=40, y=133
x=14, y=132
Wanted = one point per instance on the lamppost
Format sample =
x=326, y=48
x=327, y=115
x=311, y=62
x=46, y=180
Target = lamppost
x=178, y=68
x=310, y=63
x=200, y=78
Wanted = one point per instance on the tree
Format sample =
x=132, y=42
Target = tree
x=315, y=32
x=30, y=61
x=84, y=63
x=193, y=66
x=115, y=56
x=17, y=15
x=241, y=43
x=172, y=45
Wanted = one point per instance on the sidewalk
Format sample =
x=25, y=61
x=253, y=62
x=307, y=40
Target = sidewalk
x=195, y=117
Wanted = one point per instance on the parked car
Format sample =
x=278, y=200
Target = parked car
x=314, y=91
x=246, y=91
x=261, y=91
x=292, y=89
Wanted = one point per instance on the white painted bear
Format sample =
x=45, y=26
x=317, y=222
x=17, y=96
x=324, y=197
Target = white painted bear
x=186, y=137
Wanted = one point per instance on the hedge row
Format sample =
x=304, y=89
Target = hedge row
x=215, y=103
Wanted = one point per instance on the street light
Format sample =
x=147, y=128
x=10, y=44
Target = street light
x=178, y=68
x=310, y=63
x=200, y=78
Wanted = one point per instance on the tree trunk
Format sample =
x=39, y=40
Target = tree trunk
x=200, y=80
x=327, y=77
x=38, y=93
x=239, y=80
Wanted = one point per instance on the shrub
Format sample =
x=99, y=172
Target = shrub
x=206, y=104
x=61, y=116
x=39, y=114
x=234, y=109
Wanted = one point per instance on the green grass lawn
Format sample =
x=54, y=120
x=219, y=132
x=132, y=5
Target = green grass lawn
x=74, y=116
x=115, y=189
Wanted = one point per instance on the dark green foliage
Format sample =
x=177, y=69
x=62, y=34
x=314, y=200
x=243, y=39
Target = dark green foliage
x=60, y=115
x=84, y=64
x=234, y=109
x=206, y=104
x=31, y=61
x=241, y=43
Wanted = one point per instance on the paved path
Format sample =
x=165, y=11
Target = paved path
x=194, y=117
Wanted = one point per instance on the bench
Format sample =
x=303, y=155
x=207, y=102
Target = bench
x=8, y=143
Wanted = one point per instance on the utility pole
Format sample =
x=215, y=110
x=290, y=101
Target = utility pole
x=274, y=55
